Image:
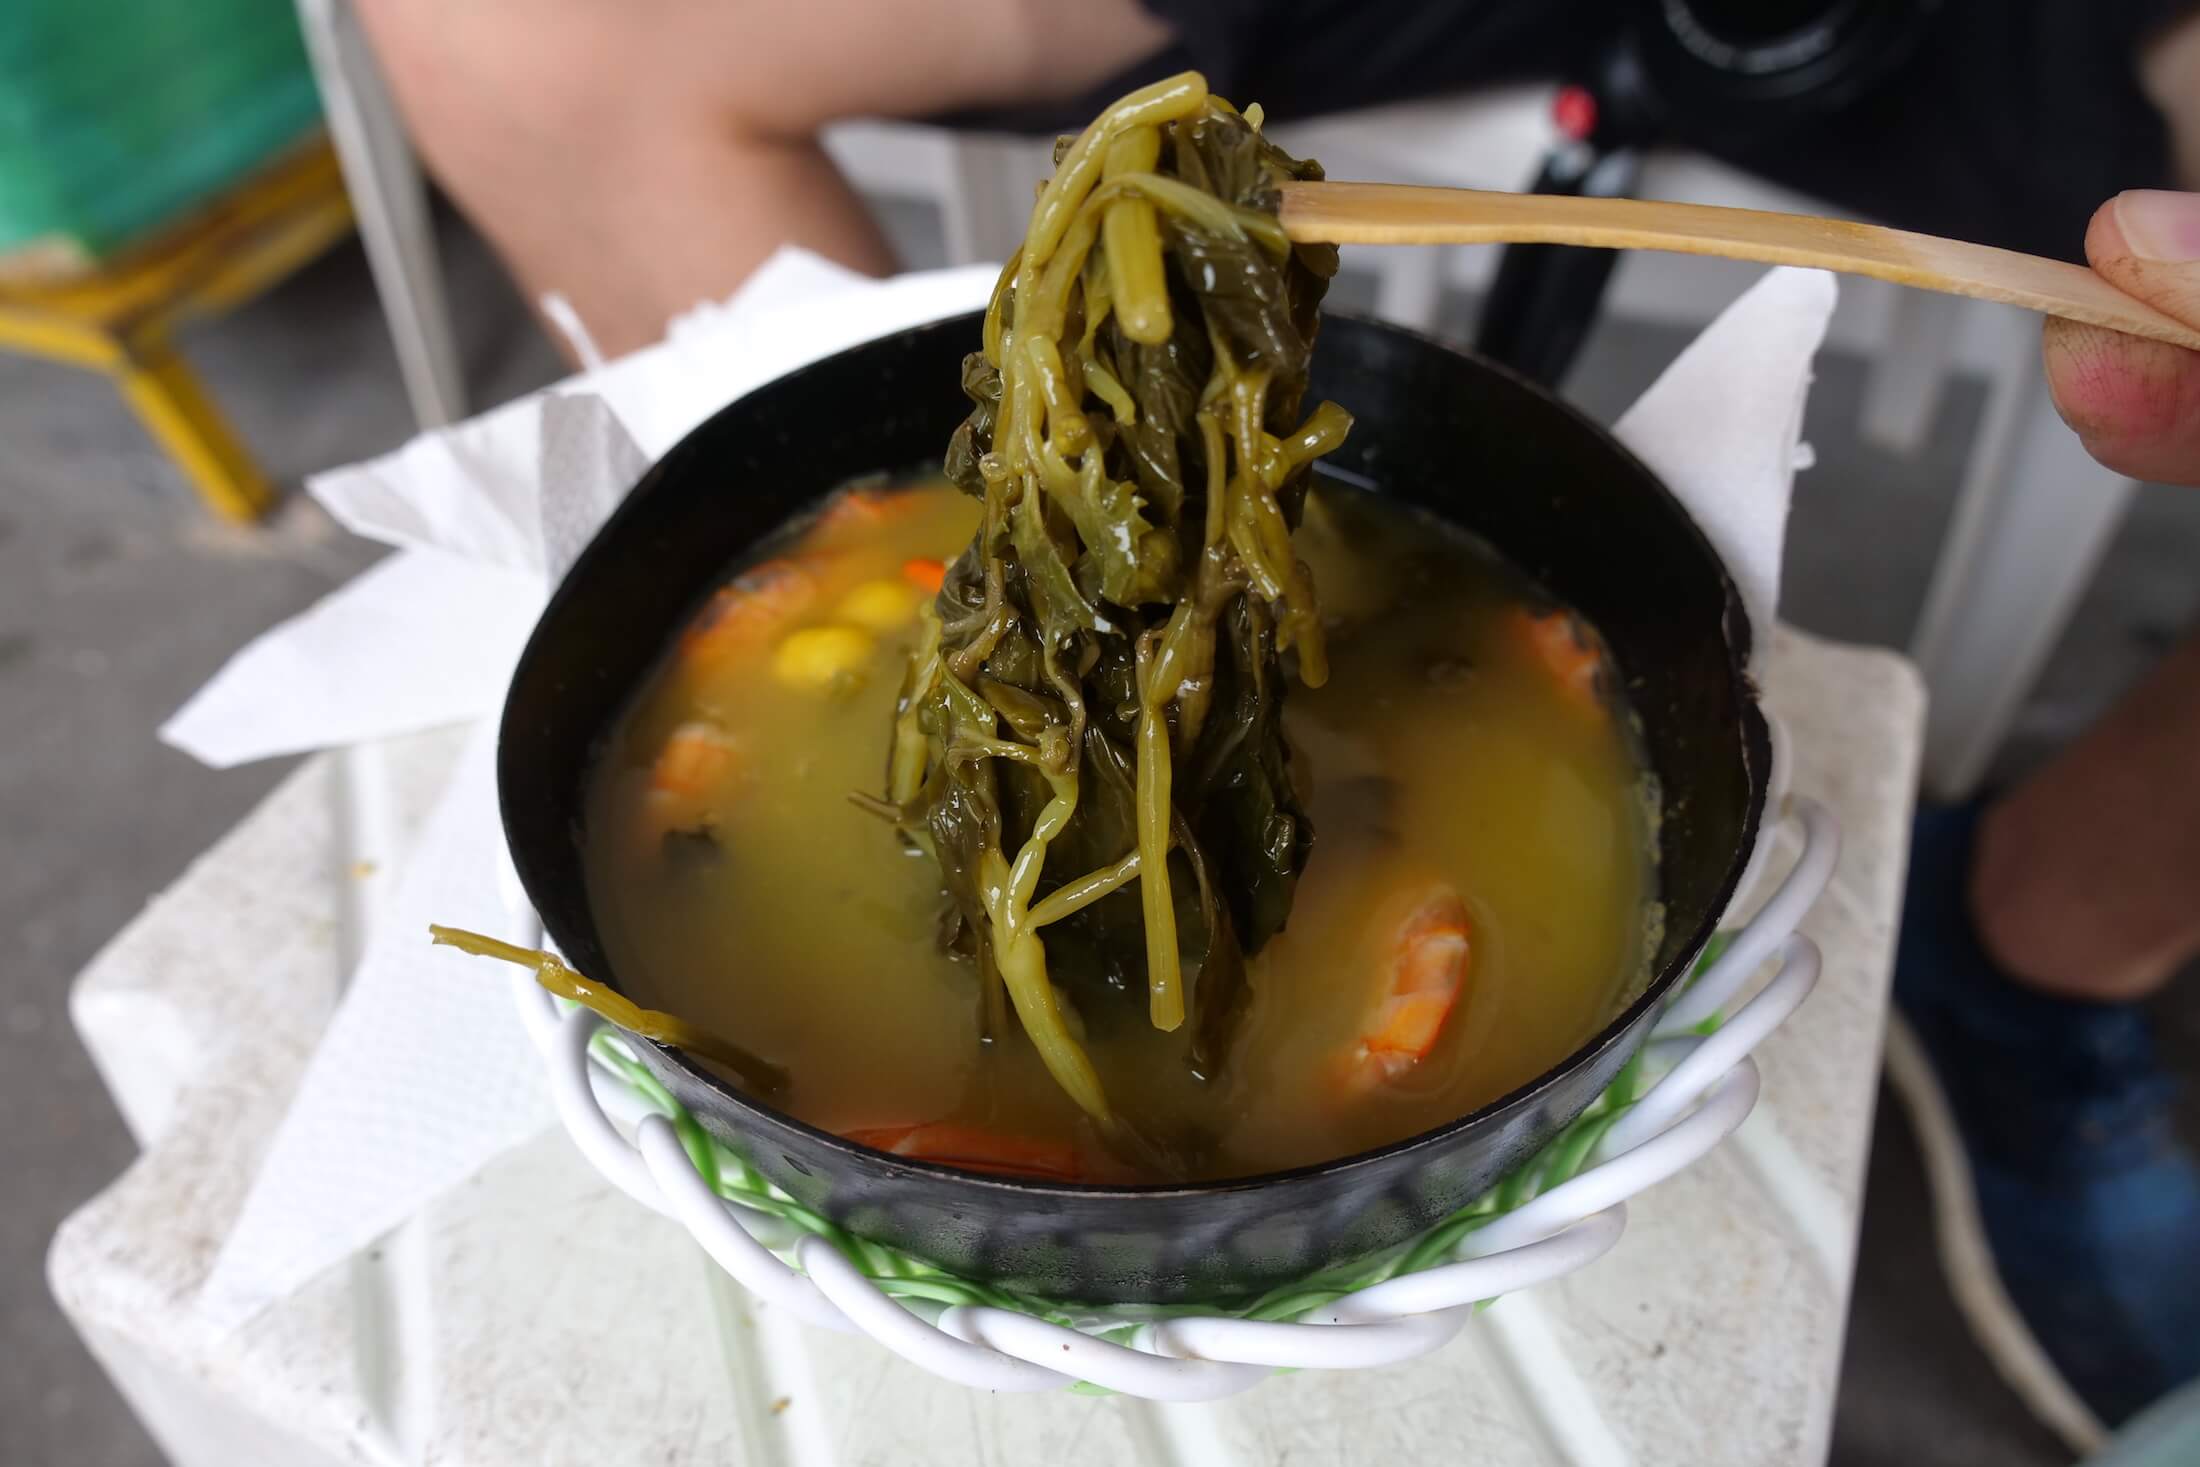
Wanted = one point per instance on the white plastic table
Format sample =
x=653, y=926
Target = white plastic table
x=536, y=1316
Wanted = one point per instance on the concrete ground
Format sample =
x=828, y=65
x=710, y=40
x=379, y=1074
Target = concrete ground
x=118, y=597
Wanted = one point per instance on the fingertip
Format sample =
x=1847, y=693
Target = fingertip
x=2131, y=254
x=2089, y=373
x=2104, y=235
x=2134, y=404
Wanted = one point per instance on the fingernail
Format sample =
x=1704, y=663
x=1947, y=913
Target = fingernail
x=2160, y=225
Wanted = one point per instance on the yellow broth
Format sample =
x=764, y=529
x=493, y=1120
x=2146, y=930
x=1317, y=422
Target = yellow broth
x=1447, y=749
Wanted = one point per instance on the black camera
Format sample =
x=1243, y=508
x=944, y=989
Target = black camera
x=1694, y=72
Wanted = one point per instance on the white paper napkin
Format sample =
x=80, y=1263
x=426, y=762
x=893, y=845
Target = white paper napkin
x=424, y=1075
x=1723, y=425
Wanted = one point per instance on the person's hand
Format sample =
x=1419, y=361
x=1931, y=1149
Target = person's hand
x=2135, y=404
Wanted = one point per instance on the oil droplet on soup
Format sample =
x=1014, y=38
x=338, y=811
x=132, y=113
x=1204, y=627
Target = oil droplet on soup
x=1475, y=906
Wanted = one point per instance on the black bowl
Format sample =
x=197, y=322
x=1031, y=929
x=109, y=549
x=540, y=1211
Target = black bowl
x=1440, y=429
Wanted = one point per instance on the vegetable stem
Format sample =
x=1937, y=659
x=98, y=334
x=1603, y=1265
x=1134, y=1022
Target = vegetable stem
x=1164, y=980
x=1133, y=238
x=760, y=1075
x=1101, y=668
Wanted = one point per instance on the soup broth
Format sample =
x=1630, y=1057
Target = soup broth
x=1480, y=816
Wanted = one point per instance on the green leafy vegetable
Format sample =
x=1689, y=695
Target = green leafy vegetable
x=1089, y=739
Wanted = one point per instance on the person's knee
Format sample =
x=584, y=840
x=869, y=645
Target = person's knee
x=1061, y=49
x=799, y=68
x=774, y=73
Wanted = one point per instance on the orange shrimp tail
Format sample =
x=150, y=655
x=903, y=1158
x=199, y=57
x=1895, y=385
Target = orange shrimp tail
x=688, y=781
x=854, y=507
x=746, y=617
x=1431, y=951
x=1566, y=648
x=697, y=759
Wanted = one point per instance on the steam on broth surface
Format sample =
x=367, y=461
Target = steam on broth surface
x=1474, y=905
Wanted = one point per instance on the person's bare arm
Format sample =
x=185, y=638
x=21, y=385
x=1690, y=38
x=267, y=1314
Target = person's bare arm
x=645, y=155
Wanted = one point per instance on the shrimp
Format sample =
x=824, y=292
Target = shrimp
x=697, y=761
x=748, y=616
x=975, y=1150
x=1565, y=646
x=1430, y=953
x=862, y=507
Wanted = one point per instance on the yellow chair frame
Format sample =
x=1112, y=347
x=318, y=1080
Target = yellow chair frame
x=120, y=320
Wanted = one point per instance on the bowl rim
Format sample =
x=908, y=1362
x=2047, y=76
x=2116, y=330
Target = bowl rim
x=1737, y=637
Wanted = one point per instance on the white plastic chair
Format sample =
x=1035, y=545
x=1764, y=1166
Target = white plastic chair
x=383, y=180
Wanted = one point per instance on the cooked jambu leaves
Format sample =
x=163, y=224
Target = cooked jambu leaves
x=1090, y=737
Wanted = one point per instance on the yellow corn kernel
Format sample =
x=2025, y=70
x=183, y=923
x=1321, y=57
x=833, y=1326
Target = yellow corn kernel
x=882, y=605
x=823, y=659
